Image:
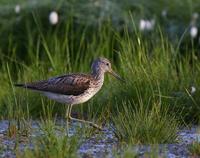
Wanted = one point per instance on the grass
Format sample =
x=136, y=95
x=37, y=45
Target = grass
x=159, y=67
x=146, y=125
x=52, y=143
x=194, y=149
x=150, y=151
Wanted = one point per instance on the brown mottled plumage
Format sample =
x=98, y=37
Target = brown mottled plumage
x=74, y=88
x=72, y=84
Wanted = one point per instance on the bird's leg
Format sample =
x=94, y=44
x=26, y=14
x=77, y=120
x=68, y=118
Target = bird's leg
x=83, y=121
x=67, y=113
x=67, y=117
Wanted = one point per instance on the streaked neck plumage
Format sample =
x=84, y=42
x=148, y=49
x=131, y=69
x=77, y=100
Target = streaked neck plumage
x=98, y=74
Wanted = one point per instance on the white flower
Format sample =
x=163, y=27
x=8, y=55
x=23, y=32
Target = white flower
x=17, y=8
x=142, y=24
x=146, y=24
x=193, y=89
x=193, y=31
x=150, y=24
x=53, y=17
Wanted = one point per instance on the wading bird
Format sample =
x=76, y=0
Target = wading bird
x=77, y=88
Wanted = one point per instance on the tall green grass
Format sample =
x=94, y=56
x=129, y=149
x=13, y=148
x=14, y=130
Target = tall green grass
x=145, y=124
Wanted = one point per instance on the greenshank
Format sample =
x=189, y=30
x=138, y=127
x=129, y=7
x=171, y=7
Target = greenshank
x=77, y=88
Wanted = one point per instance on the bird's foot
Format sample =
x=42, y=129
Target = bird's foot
x=96, y=126
x=88, y=122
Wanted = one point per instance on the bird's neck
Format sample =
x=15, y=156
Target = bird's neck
x=98, y=74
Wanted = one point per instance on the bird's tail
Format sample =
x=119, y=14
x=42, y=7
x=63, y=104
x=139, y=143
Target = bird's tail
x=20, y=85
x=24, y=85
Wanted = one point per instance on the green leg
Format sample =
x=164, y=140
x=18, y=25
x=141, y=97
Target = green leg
x=68, y=112
x=67, y=117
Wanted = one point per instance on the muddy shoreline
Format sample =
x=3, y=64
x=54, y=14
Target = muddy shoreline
x=101, y=144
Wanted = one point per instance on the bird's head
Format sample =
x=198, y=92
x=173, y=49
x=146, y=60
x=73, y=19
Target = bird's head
x=103, y=65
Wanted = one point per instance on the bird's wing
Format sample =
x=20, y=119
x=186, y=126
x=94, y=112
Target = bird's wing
x=72, y=84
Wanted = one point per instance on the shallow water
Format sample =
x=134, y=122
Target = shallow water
x=100, y=144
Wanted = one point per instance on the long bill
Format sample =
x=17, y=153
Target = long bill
x=116, y=75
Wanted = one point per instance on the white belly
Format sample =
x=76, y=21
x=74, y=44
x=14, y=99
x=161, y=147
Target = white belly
x=71, y=99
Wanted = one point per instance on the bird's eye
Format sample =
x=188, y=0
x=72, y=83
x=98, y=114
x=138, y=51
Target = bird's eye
x=107, y=64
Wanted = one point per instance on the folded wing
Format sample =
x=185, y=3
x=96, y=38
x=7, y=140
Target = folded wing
x=73, y=84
